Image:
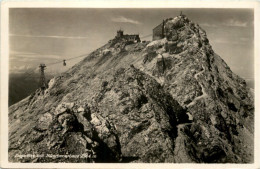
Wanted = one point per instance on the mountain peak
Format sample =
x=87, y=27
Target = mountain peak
x=169, y=100
x=180, y=18
x=181, y=35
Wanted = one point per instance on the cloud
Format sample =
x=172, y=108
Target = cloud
x=36, y=56
x=32, y=55
x=43, y=36
x=33, y=58
x=208, y=25
x=125, y=20
x=21, y=62
x=220, y=41
x=237, y=23
x=230, y=22
x=23, y=69
x=21, y=53
x=226, y=41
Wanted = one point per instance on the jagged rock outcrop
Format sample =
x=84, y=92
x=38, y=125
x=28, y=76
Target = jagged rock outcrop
x=145, y=116
x=215, y=97
x=141, y=123
x=169, y=100
x=74, y=132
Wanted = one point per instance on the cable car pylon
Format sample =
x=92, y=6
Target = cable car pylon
x=42, y=82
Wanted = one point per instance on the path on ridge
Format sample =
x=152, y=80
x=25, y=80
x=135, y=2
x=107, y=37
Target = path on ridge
x=204, y=94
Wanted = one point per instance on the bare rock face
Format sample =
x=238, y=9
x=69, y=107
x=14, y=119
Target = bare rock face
x=169, y=100
x=69, y=130
x=214, y=96
x=131, y=118
x=145, y=116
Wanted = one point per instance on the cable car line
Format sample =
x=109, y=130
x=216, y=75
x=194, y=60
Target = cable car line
x=64, y=60
x=43, y=82
x=145, y=36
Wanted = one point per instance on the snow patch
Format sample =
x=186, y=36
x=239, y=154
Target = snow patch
x=190, y=116
x=106, y=51
x=157, y=43
x=160, y=51
x=166, y=55
x=161, y=80
x=51, y=83
x=174, y=20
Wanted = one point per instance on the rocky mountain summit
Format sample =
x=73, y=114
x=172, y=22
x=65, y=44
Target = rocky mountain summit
x=169, y=100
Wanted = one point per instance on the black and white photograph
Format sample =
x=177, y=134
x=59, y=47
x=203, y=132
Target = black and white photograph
x=171, y=85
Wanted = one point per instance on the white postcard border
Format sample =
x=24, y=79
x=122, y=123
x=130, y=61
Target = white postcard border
x=5, y=5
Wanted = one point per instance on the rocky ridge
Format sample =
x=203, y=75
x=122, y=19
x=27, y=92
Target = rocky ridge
x=169, y=100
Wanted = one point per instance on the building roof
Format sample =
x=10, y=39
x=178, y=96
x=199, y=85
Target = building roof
x=132, y=35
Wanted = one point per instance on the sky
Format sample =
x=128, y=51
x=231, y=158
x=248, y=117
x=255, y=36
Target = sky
x=48, y=35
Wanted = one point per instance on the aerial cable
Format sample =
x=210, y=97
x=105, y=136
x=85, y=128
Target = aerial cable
x=64, y=60
x=145, y=36
x=30, y=76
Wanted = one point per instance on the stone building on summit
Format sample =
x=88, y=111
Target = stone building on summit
x=158, y=31
x=130, y=38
